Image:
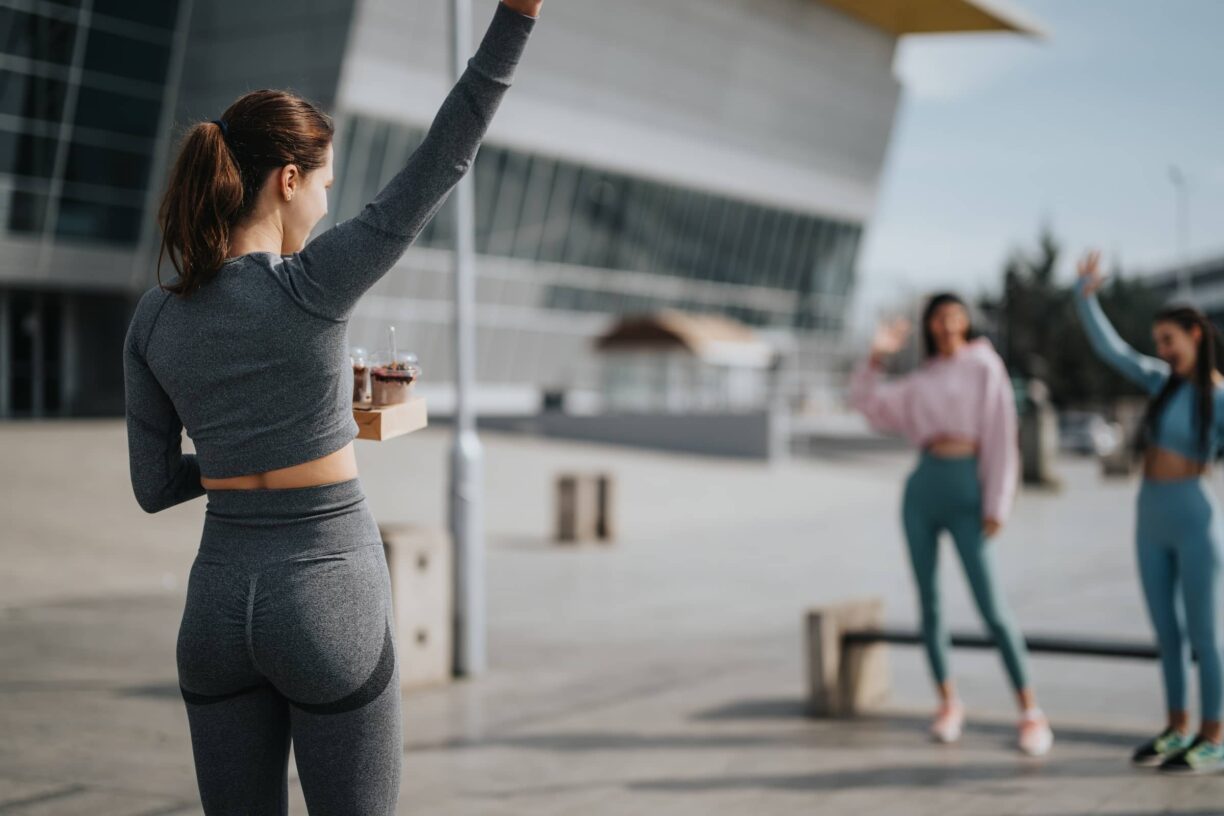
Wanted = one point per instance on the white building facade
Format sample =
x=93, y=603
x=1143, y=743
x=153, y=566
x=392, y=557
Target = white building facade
x=707, y=156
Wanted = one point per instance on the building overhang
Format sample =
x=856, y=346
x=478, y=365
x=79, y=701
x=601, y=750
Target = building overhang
x=900, y=17
x=710, y=338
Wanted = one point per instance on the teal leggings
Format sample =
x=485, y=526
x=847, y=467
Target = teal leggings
x=1179, y=551
x=944, y=494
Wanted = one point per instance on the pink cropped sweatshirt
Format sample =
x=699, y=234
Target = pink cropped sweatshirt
x=965, y=396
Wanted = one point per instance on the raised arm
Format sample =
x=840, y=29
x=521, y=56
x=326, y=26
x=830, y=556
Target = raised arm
x=999, y=448
x=336, y=268
x=883, y=403
x=1148, y=373
x=162, y=475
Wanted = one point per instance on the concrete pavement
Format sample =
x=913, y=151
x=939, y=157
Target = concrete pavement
x=659, y=676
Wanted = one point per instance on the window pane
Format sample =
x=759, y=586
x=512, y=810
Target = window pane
x=694, y=236
x=675, y=217
x=136, y=59
x=630, y=250
x=713, y=224
x=535, y=209
x=560, y=210
x=106, y=222
x=352, y=167
x=32, y=97
x=36, y=37
x=105, y=110
x=160, y=13
x=487, y=177
x=110, y=168
x=27, y=211
x=508, y=209
x=578, y=238
x=104, y=195
x=23, y=154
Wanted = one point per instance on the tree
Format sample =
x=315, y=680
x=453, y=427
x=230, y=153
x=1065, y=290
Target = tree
x=1039, y=333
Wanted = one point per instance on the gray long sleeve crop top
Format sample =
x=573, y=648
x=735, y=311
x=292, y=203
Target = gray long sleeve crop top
x=254, y=365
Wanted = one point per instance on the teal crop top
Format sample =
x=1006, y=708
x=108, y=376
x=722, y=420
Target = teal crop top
x=1177, y=426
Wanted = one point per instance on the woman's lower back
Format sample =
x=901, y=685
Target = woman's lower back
x=339, y=466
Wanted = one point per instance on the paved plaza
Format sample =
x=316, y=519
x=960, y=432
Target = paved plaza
x=662, y=675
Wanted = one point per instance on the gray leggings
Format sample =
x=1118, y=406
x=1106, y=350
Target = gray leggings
x=286, y=635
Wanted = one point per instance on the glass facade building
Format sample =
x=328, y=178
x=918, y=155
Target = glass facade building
x=544, y=210
x=1205, y=279
x=738, y=185
x=83, y=96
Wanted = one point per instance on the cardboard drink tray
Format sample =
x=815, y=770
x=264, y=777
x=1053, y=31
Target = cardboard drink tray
x=383, y=422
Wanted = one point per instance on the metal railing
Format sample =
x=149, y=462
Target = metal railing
x=1037, y=644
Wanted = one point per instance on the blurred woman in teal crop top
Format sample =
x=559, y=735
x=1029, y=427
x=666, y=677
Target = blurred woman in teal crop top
x=1178, y=536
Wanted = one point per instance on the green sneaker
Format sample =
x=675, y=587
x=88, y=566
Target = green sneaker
x=1203, y=757
x=1155, y=751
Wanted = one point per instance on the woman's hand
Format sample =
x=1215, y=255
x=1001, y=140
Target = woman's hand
x=889, y=339
x=1090, y=273
x=991, y=527
x=529, y=7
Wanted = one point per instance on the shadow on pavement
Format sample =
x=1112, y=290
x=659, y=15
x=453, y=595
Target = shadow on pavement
x=776, y=708
x=783, y=708
x=894, y=776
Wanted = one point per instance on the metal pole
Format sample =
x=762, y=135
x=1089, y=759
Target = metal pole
x=36, y=325
x=1182, y=204
x=466, y=475
x=6, y=361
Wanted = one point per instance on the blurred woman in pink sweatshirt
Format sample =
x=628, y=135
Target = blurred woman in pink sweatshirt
x=959, y=409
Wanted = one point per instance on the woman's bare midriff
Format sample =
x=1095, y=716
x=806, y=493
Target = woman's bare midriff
x=340, y=466
x=1163, y=465
x=951, y=447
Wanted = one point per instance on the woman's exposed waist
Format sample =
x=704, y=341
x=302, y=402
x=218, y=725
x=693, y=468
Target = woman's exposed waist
x=1165, y=465
x=948, y=446
x=333, y=468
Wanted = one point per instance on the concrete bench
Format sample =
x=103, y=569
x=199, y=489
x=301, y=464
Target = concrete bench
x=848, y=666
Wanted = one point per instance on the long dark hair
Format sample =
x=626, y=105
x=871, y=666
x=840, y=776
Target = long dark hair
x=220, y=169
x=1186, y=318
x=933, y=305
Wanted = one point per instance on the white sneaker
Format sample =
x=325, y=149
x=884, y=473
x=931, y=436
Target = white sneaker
x=1035, y=736
x=949, y=722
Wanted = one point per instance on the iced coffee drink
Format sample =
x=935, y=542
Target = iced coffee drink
x=362, y=389
x=392, y=381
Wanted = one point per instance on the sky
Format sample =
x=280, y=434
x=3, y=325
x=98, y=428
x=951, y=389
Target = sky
x=998, y=135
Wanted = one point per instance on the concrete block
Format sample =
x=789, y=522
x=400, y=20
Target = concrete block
x=844, y=680
x=420, y=561
x=585, y=507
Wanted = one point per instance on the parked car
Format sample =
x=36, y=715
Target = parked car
x=1087, y=434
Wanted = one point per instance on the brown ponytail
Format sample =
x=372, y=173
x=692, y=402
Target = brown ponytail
x=220, y=170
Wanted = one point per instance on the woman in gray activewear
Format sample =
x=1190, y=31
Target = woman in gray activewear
x=286, y=635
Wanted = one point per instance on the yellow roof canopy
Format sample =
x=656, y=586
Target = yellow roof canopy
x=935, y=16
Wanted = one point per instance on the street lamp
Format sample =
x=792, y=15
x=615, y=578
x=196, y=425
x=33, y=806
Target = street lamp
x=1182, y=204
x=466, y=471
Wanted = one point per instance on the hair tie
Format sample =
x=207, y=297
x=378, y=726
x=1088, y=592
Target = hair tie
x=224, y=127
